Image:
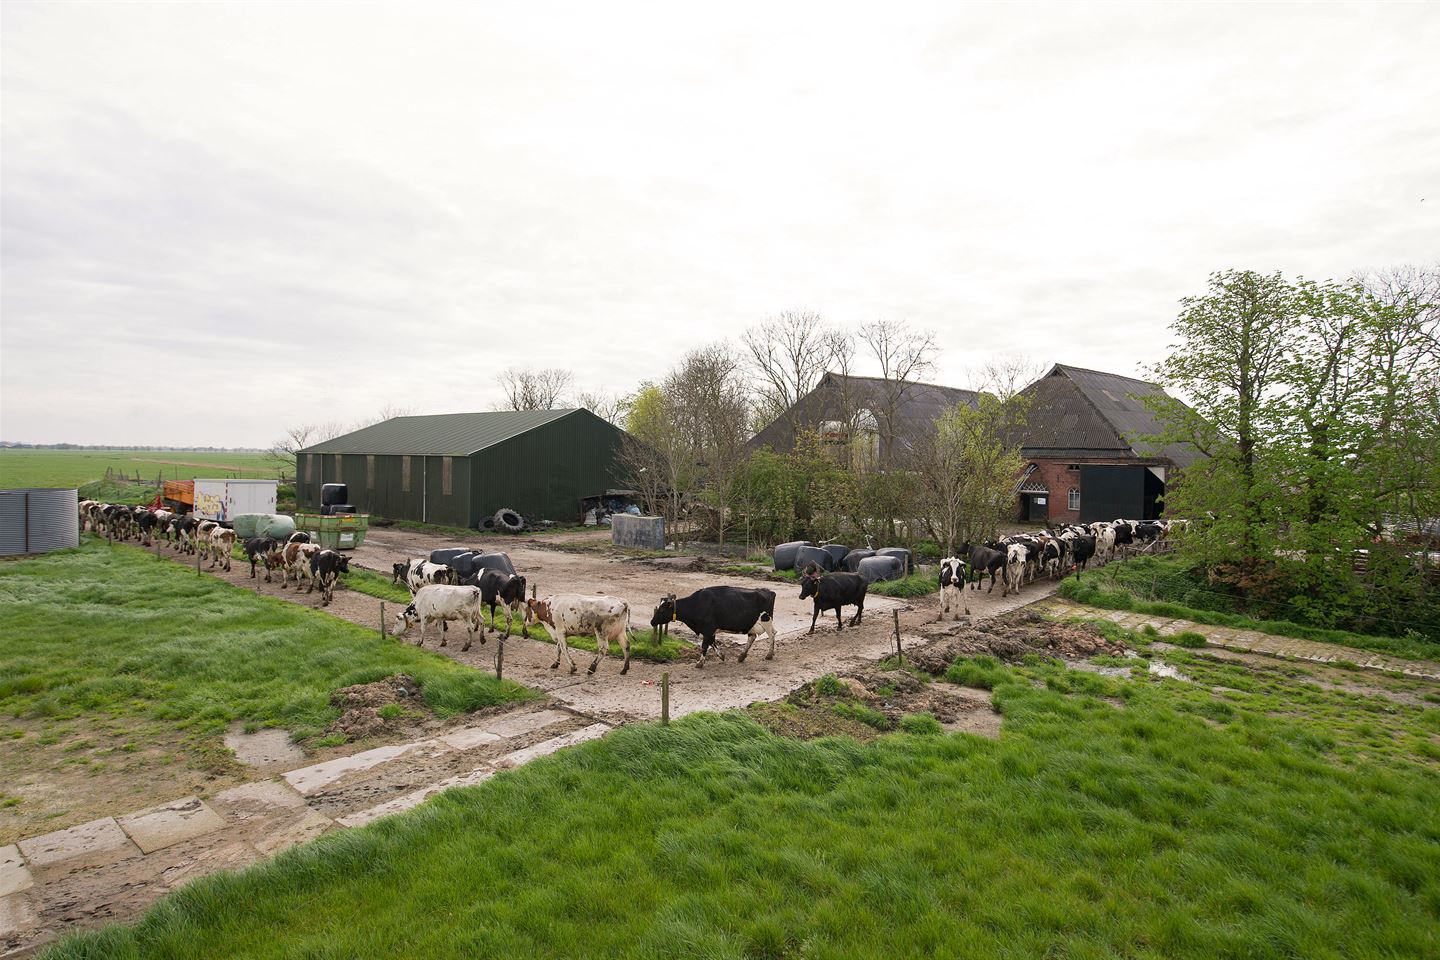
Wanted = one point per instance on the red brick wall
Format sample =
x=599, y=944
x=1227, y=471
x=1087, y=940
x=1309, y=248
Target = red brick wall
x=1056, y=475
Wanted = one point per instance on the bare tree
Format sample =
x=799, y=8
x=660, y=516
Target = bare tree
x=787, y=355
x=389, y=412
x=904, y=355
x=531, y=389
x=283, y=451
x=708, y=404
x=606, y=406
x=1007, y=374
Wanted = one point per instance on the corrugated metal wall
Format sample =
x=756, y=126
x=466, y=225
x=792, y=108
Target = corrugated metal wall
x=544, y=473
x=377, y=486
x=38, y=520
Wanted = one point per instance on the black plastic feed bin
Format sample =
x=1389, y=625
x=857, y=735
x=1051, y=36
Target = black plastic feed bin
x=448, y=554
x=494, y=561
x=785, y=554
x=806, y=556
x=906, y=558
x=464, y=564
x=333, y=493
x=837, y=553
x=881, y=568
x=853, y=558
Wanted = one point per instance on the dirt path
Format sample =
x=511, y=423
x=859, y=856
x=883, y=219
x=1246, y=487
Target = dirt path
x=799, y=656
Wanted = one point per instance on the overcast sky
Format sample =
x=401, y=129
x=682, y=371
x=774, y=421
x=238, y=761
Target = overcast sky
x=222, y=220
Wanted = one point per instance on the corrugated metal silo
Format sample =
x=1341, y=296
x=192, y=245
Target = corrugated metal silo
x=38, y=520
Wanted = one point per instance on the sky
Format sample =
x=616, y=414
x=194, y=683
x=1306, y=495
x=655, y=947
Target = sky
x=223, y=220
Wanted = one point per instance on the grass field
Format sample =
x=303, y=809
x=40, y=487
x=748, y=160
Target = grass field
x=1250, y=813
x=73, y=468
x=1132, y=584
x=113, y=662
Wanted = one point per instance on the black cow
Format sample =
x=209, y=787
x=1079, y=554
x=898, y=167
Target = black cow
x=499, y=588
x=833, y=591
x=258, y=549
x=1081, y=550
x=1147, y=533
x=1124, y=536
x=325, y=568
x=980, y=560
x=710, y=610
x=147, y=522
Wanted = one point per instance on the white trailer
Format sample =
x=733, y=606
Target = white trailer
x=224, y=500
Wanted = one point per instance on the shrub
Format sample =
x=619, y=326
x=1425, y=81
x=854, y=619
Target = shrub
x=830, y=686
x=1188, y=638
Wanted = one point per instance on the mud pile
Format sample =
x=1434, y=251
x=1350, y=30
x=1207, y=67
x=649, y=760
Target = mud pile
x=1011, y=637
x=359, y=705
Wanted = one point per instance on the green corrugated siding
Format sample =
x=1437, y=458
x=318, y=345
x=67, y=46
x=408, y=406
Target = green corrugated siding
x=544, y=473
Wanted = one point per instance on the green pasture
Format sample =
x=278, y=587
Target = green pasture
x=1248, y=812
x=74, y=468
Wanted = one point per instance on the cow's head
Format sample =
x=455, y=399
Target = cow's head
x=949, y=571
x=404, y=619
x=344, y=565
x=810, y=581
x=664, y=613
x=399, y=570
x=539, y=610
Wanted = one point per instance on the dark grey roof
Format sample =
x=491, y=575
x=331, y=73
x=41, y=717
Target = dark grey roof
x=1079, y=412
x=920, y=405
x=440, y=434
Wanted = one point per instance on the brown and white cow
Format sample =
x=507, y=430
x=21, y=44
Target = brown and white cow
x=572, y=615
x=221, y=543
x=443, y=602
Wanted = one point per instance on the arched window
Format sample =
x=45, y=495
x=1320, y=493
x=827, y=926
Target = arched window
x=1074, y=498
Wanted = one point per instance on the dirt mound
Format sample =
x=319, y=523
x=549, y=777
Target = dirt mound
x=867, y=704
x=1010, y=638
x=359, y=705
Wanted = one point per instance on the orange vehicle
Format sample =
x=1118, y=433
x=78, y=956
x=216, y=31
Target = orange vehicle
x=178, y=495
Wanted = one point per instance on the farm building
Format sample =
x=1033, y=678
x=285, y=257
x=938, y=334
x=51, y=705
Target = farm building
x=1085, y=458
x=866, y=414
x=460, y=468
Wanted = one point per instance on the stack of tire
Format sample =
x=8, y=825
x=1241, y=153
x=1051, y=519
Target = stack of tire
x=504, y=519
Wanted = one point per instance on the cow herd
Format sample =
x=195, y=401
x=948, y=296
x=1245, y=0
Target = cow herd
x=458, y=587
x=1019, y=559
x=296, y=559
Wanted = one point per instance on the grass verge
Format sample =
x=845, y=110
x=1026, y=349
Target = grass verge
x=1105, y=588
x=112, y=631
x=1245, y=814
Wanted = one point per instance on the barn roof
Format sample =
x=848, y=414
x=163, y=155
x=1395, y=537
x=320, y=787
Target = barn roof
x=921, y=404
x=440, y=434
x=1079, y=412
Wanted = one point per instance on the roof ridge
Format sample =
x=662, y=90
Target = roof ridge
x=917, y=383
x=1104, y=373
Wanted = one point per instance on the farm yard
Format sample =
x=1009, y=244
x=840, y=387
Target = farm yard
x=837, y=795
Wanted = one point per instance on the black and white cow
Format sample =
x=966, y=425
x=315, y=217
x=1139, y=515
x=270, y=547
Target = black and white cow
x=325, y=569
x=1082, y=548
x=832, y=591
x=980, y=560
x=257, y=550
x=443, y=602
x=952, y=585
x=712, y=610
x=498, y=588
x=419, y=572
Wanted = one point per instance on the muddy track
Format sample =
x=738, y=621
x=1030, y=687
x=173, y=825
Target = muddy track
x=799, y=656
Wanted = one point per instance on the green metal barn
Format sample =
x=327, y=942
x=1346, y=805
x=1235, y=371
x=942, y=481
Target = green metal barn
x=459, y=468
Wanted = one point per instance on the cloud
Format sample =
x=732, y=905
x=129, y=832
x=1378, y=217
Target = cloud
x=223, y=219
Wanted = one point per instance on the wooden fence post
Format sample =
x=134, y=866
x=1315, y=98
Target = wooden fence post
x=382, y=619
x=500, y=658
x=665, y=698
x=899, y=653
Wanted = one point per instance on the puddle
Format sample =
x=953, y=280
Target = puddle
x=268, y=750
x=1103, y=671
x=1161, y=669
